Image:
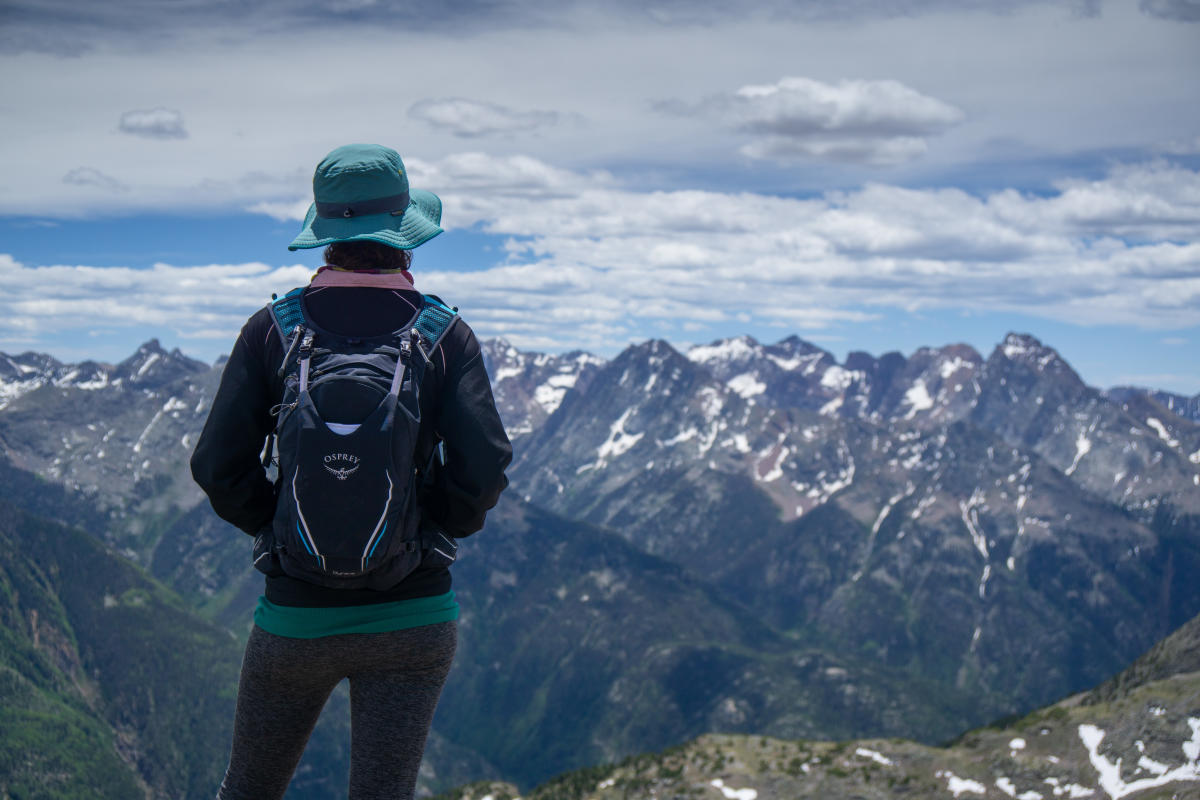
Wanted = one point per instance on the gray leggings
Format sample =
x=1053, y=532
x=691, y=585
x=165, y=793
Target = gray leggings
x=395, y=681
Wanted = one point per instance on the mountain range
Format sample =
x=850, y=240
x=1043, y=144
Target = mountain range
x=739, y=537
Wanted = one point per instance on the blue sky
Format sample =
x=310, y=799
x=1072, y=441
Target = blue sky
x=865, y=176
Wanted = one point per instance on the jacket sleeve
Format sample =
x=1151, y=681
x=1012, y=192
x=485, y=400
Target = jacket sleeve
x=477, y=448
x=227, y=459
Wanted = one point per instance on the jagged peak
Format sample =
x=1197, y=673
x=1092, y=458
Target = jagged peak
x=795, y=344
x=501, y=350
x=498, y=344
x=957, y=350
x=737, y=348
x=151, y=357
x=33, y=360
x=654, y=347
x=1024, y=347
x=584, y=358
x=860, y=361
x=652, y=352
x=1026, y=351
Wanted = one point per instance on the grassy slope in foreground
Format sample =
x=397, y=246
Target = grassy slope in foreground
x=1136, y=736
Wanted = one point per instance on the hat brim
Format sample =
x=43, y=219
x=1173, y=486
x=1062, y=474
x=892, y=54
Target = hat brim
x=419, y=223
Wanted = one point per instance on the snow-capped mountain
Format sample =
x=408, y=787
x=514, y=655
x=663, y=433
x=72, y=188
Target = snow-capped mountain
x=926, y=507
x=529, y=387
x=977, y=535
x=121, y=432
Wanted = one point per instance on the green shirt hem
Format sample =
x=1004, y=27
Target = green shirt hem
x=296, y=622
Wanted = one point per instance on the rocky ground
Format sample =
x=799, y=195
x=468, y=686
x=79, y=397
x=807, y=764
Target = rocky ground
x=1136, y=736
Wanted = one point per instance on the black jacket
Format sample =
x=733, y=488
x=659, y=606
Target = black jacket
x=457, y=407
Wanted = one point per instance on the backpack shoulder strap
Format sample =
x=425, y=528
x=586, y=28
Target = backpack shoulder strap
x=286, y=313
x=433, y=320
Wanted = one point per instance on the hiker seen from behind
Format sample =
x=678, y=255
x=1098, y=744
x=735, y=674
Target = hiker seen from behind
x=373, y=401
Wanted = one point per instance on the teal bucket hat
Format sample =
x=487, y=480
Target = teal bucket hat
x=361, y=192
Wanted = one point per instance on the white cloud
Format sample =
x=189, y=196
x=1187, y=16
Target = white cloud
x=591, y=264
x=858, y=121
x=285, y=211
x=153, y=123
x=472, y=118
x=200, y=301
x=879, y=247
x=475, y=186
x=595, y=265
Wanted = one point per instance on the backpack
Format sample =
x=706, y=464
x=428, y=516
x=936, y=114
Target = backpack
x=346, y=431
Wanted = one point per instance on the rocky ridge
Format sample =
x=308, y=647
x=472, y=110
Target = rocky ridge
x=1136, y=736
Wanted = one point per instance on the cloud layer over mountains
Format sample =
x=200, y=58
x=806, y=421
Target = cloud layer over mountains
x=582, y=249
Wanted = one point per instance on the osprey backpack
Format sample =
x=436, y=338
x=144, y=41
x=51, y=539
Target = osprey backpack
x=346, y=432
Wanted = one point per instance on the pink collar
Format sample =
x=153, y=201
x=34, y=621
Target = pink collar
x=329, y=276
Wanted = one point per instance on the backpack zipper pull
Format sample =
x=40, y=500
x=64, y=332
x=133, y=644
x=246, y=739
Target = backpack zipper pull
x=415, y=338
x=306, y=348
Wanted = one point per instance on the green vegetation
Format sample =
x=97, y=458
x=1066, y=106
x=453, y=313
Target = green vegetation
x=50, y=749
x=109, y=684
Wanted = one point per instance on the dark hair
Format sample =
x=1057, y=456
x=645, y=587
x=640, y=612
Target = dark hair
x=366, y=254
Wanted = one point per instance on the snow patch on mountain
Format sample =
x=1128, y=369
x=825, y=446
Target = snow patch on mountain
x=1162, y=432
x=684, y=435
x=839, y=378
x=733, y=794
x=917, y=399
x=149, y=362
x=550, y=394
x=875, y=756
x=831, y=408
x=808, y=361
x=747, y=385
x=504, y=373
x=1110, y=771
x=956, y=785
x=953, y=365
x=1013, y=348
x=737, y=349
x=1083, y=446
x=770, y=466
x=100, y=381
x=619, y=440
x=11, y=390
